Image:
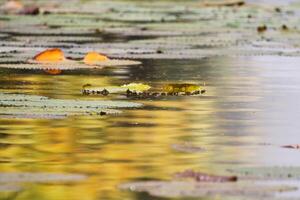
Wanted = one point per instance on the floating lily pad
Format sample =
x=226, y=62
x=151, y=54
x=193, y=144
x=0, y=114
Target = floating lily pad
x=30, y=177
x=269, y=172
x=31, y=106
x=184, y=189
x=145, y=91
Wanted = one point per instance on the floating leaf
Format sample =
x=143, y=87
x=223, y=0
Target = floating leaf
x=230, y=190
x=203, y=177
x=94, y=57
x=17, y=177
x=293, y=146
x=225, y=3
x=89, y=89
x=30, y=106
x=136, y=87
x=53, y=60
x=10, y=188
x=269, y=172
x=176, y=88
x=50, y=55
x=139, y=90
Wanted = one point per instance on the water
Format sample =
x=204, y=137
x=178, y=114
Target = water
x=249, y=101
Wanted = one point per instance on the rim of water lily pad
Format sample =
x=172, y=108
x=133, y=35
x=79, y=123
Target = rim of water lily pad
x=48, y=66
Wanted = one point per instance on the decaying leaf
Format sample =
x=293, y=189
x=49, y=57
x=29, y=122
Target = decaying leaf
x=225, y=3
x=50, y=55
x=54, y=60
x=139, y=87
x=293, y=146
x=177, y=88
x=139, y=90
x=93, y=58
x=203, y=177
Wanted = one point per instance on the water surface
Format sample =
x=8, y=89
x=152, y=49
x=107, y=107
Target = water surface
x=250, y=101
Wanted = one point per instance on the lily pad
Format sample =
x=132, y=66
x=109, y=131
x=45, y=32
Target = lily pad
x=184, y=189
x=269, y=172
x=140, y=90
x=31, y=177
x=31, y=106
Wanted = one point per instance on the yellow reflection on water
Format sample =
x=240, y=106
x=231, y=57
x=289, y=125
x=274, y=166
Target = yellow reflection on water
x=112, y=149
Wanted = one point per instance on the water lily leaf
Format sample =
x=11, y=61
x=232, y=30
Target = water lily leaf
x=10, y=188
x=94, y=57
x=50, y=55
x=293, y=146
x=173, y=88
x=269, y=172
x=203, y=177
x=139, y=87
x=136, y=87
x=17, y=177
x=31, y=106
x=225, y=3
x=139, y=90
x=54, y=60
x=231, y=190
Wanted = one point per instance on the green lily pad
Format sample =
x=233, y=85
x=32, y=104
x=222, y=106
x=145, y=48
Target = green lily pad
x=31, y=106
x=269, y=172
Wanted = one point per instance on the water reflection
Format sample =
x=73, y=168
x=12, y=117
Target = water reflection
x=239, y=111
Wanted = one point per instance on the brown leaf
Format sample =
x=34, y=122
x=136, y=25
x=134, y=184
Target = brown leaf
x=203, y=177
x=225, y=3
x=29, y=10
x=293, y=146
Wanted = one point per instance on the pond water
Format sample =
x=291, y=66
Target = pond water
x=250, y=102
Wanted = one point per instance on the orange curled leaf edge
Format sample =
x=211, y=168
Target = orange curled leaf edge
x=94, y=57
x=50, y=55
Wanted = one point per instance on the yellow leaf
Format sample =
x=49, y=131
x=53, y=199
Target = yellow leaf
x=136, y=87
x=172, y=88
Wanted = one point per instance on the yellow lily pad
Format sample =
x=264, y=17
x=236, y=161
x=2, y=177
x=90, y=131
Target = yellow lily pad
x=174, y=88
x=140, y=87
